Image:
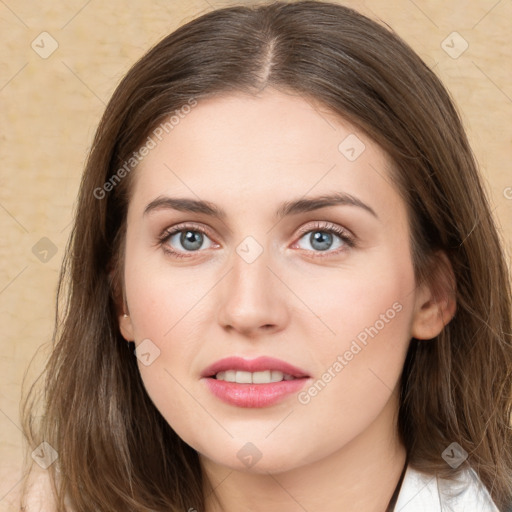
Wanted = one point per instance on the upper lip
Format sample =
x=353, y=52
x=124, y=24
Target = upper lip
x=252, y=365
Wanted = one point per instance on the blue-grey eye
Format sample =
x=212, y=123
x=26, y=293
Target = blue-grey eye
x=322, y=240
x=189, y=240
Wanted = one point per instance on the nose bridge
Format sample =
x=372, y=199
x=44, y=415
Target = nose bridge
x=250, y=297
x=250, y=274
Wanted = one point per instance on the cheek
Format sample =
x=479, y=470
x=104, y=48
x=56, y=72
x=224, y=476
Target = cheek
x=161, y=297
x=360, y=365
x=373, y=301
x=167, y=308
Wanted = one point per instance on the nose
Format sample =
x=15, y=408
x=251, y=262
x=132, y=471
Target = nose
x=252, y=298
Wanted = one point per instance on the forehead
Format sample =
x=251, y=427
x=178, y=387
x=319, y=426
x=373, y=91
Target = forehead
x=258, y=147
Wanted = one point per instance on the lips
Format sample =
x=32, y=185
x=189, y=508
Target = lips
x=253, y=383
x=260, y=364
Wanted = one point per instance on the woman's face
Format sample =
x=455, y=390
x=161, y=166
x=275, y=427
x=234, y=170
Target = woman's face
x=266, y=266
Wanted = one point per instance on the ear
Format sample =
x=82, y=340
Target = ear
x=123, y=315
x=125, y=326
x=435, y=302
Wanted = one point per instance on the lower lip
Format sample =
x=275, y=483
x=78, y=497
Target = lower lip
x=253, y=395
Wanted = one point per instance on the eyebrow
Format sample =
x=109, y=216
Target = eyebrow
x=294, y=207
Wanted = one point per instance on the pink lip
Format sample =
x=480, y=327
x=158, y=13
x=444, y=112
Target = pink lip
x=252, y=365
x=253, y=395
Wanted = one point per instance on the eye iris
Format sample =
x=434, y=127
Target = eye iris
x=195, y=238
x=321, y=240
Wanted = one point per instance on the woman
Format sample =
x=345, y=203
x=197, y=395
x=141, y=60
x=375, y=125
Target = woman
x=285, y=289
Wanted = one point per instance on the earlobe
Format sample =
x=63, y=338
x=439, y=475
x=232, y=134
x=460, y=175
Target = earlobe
x=119, y=298
x=435, y=301
x=125, y=326
x=431, y=317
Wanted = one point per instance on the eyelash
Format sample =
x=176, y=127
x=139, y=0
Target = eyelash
x=325, y=227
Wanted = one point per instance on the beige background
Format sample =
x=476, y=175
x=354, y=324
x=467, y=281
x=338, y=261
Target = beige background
x=50, y=108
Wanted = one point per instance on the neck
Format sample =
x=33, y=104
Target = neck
x=362, y=475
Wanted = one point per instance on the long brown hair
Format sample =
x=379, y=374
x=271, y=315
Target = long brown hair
x=116, y=452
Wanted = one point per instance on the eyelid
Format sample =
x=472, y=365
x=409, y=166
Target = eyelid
x=182, y=226
x=325, y=226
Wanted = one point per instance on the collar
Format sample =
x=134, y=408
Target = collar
x=421, y=492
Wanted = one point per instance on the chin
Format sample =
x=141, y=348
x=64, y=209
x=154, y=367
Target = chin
x=259, y=457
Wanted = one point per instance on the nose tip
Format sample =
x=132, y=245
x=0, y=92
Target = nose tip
x=251, y=299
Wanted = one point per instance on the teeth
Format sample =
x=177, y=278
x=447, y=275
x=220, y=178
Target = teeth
x=261, y=377
x=276, y=376
x=242, y=377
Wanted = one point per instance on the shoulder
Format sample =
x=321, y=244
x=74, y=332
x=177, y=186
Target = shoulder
x=38, y=492
x=421, y=492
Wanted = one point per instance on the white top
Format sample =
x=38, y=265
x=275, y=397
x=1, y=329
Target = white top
x=426, y=493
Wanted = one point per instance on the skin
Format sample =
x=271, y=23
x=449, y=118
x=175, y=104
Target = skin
x=248, y=154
